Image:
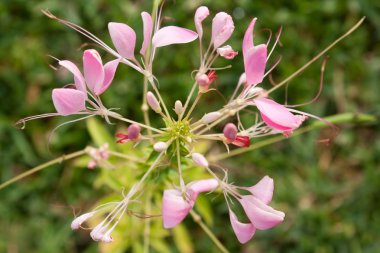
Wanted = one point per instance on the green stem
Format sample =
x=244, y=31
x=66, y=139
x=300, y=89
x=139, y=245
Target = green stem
x=335, y=119
x=43, y=166
x=197, y=218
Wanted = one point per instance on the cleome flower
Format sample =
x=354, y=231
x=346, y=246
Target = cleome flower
x=175, y=142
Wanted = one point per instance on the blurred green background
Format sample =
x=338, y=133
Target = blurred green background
x=330, y=193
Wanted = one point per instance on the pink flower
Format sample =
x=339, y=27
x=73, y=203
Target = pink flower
x=227, y=52
x=133, y=134
x=222, y=29
x=278, y=116
x=256, y=207
x=97, y=79
x=176, y=206
x=255, y=57
x=230, y=133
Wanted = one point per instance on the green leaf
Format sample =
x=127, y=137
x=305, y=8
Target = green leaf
x=99, y=133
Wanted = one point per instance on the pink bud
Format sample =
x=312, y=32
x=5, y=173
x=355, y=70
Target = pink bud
x=226, y=52
x=160, y=146
x=200, y=15
x=222, y=28
x=200, y=160
x=153, y=102
x=202, y=80
x=210, y=117
x=134, y=132
x=230, y=132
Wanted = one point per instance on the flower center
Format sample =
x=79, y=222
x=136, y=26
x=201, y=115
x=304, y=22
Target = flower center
x=179, y=130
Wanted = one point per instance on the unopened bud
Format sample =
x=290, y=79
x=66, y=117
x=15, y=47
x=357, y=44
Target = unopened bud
x=160, y=146
x=210, y=117
x=202, y=80
x=134, y=132
x=200, y=160
x=230, y=132
x=178, y=107
x=77, y=222
x=153, y=102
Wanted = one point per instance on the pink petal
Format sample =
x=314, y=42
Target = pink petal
x=254, y=64
x=173, y=35
x=200, y=15
x=276, y=116
x=148, y=28
x=263, y=190
x=78, y=77
x=248, y=37
x=124, y=39
x=205, y=185
x=68, y=101
x=174, y=208
x=242, y=141
x=261, y=215
x=243, y=231
x=222, y=28
x=109, y=73
x=93, y=70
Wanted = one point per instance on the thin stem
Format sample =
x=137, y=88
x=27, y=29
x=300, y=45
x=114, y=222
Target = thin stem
x=182, y=183
x=188, y=99
x=335, y=119
x=42, y=166
x=127, y=157
x=193, y=106
x=197, y=218
x=119, y=117
x=300, y=70
x=161, y=100
x=144, y=106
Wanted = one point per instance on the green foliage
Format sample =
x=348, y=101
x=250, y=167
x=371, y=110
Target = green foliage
x=329, y=193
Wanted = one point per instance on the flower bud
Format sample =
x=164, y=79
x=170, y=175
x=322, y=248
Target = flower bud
x=226, y=52
x=160, y=146
x=153, y=102
x=230, y=132
x=202, y=80
x=77, y=222
x=200, y=160
x=210, y=117
x=178, y=107
x=134, y=132
x=222, y=28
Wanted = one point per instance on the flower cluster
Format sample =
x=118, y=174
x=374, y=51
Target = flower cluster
x=182, y=130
